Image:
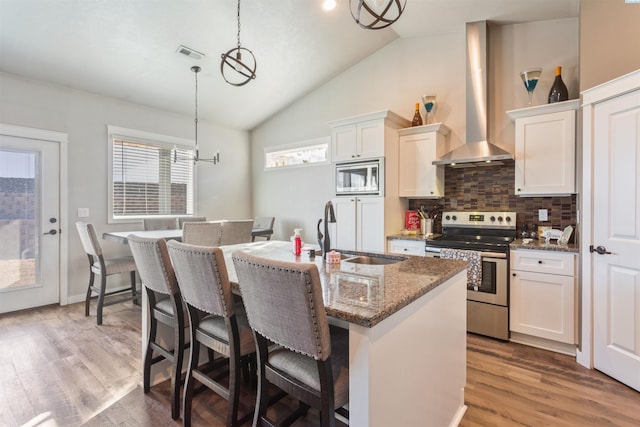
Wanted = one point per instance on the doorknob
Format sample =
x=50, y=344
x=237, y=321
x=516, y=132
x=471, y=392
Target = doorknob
x=53, y=232
x=600, y=249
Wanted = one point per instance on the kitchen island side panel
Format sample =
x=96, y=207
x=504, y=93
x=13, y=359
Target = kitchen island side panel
x=410, y=369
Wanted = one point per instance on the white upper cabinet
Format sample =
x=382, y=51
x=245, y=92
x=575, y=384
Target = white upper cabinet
x=418, y=146
x=365, y=136
x=545, y=160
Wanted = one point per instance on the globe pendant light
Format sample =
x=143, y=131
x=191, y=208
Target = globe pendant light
x=235, y=69
x=376, y=14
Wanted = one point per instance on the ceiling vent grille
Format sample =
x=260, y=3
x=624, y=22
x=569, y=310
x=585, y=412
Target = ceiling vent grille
x=191, y=53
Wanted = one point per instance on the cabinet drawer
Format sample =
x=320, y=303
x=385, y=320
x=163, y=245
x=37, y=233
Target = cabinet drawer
x=543, y=262
x=407, y=247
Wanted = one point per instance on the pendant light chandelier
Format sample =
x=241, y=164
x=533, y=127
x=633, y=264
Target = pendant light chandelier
x=215, y=159
x=235, y=70
x=376, y=14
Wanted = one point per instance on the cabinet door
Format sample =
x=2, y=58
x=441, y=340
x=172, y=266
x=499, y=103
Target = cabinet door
x=370, y=224
x=370, y=139
x=545, y=154
x=542, y=305
x=418, y=177
x=344, y=235
x=343, y=139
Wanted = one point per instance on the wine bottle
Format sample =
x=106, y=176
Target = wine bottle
x=417, y=119
x=558, y=92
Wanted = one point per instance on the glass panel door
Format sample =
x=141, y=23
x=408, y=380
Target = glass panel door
x=29, y=223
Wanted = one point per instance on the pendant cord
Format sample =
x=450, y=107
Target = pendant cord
x=238, y=24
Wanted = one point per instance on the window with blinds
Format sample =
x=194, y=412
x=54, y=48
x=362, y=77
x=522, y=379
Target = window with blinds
x=150, y=178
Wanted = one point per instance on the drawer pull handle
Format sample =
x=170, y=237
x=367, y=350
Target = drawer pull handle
x=539, y=261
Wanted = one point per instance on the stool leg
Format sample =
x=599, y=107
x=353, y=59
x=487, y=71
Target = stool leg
x=134, y=294
x=87, y=300
x=103, y=288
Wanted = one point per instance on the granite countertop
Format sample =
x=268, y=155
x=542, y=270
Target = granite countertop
x=412, y=237
x=360, y=293
x=539, y=244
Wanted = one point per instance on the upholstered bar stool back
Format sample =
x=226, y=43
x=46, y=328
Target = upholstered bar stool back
x=236, y=231
x=216, y=322
x=284, y=306
x=160, y=223
x=183, y=219
x=202, y=233
x=104, y=268
x=165, y=306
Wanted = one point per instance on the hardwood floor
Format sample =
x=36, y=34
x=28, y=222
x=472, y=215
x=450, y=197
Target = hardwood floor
x=58, y=368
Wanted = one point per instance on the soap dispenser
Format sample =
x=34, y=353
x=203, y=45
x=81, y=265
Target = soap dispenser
x=297, y=241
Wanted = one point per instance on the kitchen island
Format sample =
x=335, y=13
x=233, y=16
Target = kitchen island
x=407, y=332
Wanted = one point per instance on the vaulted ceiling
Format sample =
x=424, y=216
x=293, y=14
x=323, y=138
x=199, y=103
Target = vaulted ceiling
x=126, y=49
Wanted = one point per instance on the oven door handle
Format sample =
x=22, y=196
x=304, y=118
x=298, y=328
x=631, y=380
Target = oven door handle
x=499, y=255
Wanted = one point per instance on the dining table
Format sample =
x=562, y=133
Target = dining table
x=121, y=236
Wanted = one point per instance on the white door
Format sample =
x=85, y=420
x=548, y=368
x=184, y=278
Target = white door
x=616, y=231
x=29, y=223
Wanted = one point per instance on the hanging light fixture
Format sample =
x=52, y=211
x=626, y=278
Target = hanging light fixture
x=215, y=159
x=376, y=14
x=234, y=69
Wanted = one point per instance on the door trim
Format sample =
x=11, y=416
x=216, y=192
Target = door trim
x=62, y=139
x=590, y=98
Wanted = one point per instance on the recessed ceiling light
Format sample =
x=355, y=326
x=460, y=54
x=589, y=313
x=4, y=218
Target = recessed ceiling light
x=328, y=5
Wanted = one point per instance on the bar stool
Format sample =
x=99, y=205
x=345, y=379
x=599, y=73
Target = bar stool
x=310, y=362
x=104, y=267
x=165, y=306
x=216, y=323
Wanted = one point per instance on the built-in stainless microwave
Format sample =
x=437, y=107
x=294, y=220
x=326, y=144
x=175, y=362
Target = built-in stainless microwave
x=363, y=178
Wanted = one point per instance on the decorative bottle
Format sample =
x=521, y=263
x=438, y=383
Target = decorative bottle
x=558, y=92
x=417, y=119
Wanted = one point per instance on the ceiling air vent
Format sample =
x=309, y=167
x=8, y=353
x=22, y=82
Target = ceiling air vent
x=187, y=51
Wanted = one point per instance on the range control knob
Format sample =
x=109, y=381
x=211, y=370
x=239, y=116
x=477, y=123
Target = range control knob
x=454, y=218
x=499, y=219
x=508, y=219
x=493, y=218
x=447, y=217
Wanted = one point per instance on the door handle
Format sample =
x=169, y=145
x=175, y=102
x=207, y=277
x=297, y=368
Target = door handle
x=600, y=250
x=53, y=232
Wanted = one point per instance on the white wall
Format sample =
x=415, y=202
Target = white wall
x=223, y=189
x=394, y=78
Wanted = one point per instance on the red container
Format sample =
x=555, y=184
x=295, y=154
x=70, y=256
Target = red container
x=412, y=220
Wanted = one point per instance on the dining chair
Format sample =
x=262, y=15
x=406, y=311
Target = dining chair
x=217, y=323
x=104, y=268
x=310, y=361
x=236, y=231
x=202, y=233
x=160, y=223
x=183, y=219
x=262, y=227
x=165, y=306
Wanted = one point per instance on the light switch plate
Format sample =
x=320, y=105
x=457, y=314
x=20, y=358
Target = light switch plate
x=83, y=212
x=543, y=214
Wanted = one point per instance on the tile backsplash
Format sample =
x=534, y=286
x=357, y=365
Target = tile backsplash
x=492, y=188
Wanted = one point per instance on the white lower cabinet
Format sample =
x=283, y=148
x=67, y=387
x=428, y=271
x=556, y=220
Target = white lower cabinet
x=406, y=247
x=542, y=299
x=359, y=224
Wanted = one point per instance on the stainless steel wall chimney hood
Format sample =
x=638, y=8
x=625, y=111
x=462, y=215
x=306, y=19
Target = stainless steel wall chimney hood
x=477, y=151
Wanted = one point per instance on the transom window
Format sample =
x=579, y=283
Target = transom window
x=304, y=153
x=150, y=175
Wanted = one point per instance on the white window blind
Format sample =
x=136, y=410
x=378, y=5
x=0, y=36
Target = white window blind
x=151, y=179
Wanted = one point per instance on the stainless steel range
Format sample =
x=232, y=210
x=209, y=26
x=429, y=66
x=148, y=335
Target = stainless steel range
x=483, y=239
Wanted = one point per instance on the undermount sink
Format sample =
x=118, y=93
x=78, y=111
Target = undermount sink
x=374, y=260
